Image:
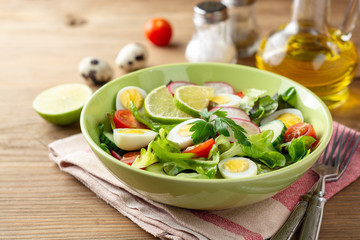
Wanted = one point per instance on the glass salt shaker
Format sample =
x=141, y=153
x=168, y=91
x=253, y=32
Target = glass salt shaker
x=245, y=32
x=211, y=41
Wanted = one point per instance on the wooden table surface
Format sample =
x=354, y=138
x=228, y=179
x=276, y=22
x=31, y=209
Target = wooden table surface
x=42, y=43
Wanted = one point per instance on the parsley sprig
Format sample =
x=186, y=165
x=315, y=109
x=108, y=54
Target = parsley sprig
x=203, y=130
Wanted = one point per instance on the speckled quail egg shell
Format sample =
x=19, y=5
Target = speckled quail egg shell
x=95, y=69
x=130, y=93
x=181, y=134
x=237, y=167
x=131, y=139
x=131, y=57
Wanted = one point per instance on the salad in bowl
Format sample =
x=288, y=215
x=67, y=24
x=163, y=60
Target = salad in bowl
x=222, y=134
x=206, y=135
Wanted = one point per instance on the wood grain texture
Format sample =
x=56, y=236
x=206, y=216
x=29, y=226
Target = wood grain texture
x=41, y=44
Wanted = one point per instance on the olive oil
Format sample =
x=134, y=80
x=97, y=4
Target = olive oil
x=312, y=52
x=323, y=63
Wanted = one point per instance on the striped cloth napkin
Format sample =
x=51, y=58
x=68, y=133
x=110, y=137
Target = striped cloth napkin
x=255, y=222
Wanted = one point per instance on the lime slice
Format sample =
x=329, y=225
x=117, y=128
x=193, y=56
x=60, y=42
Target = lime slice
x=160, y=107
x=62, y=104
x=193, y=99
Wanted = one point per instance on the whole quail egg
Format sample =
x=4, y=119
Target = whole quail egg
x=96, y=70
x=131, y=57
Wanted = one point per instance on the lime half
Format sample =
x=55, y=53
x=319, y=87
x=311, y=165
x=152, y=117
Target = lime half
x=160, y=107
x=192, y=99
x=62, y=104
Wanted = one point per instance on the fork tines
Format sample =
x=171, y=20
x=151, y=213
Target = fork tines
x=344, y=144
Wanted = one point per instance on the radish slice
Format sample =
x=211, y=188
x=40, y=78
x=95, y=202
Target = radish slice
x=250, y=128
x=115, y=154
x=174, y=85
x=220, y=87
x=233, y=112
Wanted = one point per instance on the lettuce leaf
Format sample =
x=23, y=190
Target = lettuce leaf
x=235, y=149
x=298, y=148
x=146, y=158
x=251, y=96
x=222, y=143
x=262, y=149
x=175, y=162
x=262, y=108
x=264, y=105
x=286, y=99
x=105, y=148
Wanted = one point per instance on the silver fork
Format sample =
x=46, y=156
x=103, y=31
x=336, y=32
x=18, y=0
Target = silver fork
x=327, y=167
x=296, y=217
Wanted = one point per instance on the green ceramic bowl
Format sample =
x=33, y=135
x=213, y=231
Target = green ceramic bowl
x=204, y=193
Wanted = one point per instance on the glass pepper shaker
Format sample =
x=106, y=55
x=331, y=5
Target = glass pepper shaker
x=211, y=41
x=245, y=32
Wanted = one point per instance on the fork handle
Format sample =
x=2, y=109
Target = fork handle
x=292, y=223
x=311, y=225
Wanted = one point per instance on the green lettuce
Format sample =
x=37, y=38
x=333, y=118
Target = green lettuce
x=286, y=99
x=260, y=149
x=146, y=158
x=174, y=161
x=262, y=108
x=251, y=96
x=298, y=148
x=264, y=105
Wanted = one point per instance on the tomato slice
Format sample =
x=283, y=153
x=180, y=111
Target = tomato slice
x=240, y=94
x=201, y=149
x=299, y=129
x=124, y=119
x=130, y=157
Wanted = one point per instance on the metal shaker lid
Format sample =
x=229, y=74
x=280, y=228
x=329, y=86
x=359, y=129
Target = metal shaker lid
x=238, y=2
x=210, y=12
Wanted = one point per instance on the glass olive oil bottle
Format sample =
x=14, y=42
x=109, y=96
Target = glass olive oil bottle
x=308, y=51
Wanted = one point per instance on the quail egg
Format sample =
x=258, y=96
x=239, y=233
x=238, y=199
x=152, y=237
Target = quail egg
x=181, y=134
x=132, y=57
x=131, y=139
x=130, y=94
x=289, y=116
x=237, y=167
x=96, y=70
x=226, y=100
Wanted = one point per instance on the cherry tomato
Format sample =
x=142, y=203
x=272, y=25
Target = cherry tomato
x=124, y=119
x=130, y=157
x=158, y=31
x=201, y=149
x=299, y=129
x=240, y=94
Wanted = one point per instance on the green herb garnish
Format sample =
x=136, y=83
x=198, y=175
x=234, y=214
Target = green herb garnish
x=203, y=130
x=110, y=116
